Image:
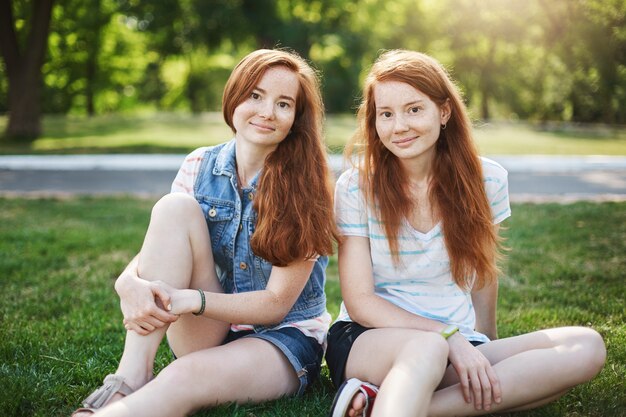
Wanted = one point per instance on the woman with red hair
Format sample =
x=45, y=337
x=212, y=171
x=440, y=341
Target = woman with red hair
x=232, y=268
x=419, y=215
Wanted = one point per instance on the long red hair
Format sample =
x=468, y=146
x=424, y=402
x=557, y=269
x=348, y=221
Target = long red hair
x=294, y=193
x=456, y=191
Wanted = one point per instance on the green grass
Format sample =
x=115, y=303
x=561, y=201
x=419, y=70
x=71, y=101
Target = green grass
x=180, y=133
x=61, y=326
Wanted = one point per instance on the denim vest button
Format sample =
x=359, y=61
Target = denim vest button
x=240, y=227
x=243, y=265
x=250, y=196
x=212, y=212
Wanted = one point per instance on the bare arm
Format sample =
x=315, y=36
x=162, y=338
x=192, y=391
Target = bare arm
x=485, y=301
x=268, y=306
x=357, y=289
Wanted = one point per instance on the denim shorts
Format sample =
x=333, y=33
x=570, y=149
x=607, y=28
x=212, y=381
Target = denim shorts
x=341, y=337
x=304, y=353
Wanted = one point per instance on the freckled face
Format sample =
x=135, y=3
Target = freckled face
x=266, y=116
x=408, y=122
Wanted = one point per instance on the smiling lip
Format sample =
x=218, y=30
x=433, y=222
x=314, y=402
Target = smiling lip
x=405, y=142
x=263, y=127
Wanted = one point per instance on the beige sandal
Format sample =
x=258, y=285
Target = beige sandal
x=111, y=385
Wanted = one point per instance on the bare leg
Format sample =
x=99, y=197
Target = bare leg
x=177, y=251
x=406, y=364
x=212, y=376
x=534, y=369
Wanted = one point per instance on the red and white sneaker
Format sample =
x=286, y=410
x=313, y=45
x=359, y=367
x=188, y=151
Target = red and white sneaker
x=346, y=393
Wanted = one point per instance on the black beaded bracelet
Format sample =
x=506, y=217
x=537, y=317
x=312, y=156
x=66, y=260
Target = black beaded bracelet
x=199, y=313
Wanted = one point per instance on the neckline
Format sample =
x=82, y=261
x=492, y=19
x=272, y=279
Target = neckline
x=423, y=235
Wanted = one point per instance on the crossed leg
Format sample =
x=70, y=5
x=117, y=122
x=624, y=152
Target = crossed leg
x=534, y=369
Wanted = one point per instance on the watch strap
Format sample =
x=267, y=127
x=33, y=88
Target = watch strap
x=449, y=330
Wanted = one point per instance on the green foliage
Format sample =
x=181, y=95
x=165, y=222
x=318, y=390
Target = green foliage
x=538, y=60
x=62, y=330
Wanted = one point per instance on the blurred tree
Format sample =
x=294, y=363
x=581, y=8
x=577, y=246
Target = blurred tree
x=590, y=39
x=23, y=44
x=327, y=33
x=72, y=73
x=539, y=59
x=485, y=41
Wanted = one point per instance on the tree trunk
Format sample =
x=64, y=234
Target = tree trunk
x=484, y=104
x=24, y=107
x=23, y=68
x=91, y=80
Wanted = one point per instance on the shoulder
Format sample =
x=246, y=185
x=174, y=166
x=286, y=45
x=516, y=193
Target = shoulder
x=348, y=181
x=493, y=171
x=197, y=154
x=206, y=152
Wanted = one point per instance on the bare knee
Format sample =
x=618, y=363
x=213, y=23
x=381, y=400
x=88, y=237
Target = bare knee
x=586, y=349
x=591, y=351
x=176, y=204
x=424, y=351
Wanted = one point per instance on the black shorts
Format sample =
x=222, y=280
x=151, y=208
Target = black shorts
x=341, y=337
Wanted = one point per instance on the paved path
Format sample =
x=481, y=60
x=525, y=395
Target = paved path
x=531, y=177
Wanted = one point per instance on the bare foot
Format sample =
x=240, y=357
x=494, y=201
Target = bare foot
x=357, y=406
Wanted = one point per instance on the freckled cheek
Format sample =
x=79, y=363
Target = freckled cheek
x=384, y=133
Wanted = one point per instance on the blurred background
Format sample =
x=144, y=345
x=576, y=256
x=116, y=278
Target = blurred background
x=547, y=62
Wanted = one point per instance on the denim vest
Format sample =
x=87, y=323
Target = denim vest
x=232, y=221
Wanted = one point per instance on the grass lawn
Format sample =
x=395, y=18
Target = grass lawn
x=61, y=327
x=180, y=133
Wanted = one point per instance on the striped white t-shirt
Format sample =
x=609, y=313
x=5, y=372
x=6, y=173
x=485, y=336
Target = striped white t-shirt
x=422, y=283
x=316, y=327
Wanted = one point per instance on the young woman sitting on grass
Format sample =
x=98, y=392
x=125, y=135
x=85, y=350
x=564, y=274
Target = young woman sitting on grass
x=232, y=268
x=417, y=265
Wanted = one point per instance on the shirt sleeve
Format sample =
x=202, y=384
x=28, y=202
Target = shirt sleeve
x=497, y=189
x=188, y=172
x=350, y=207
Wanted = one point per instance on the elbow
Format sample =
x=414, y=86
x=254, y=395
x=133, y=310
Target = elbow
x=277, y=317
x=358, y=313
x=120, y=282
x=276, y=313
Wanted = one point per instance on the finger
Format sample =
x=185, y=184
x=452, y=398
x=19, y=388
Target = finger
x=163, y=316
x=465, y=386
x=495, y=385
x=155, y=323
x=161, y=319
x=163, y=297
x=486, y=388
x=476, y=389
x=136, y=328
x=146, y=326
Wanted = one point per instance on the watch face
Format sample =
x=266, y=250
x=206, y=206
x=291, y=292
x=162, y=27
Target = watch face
x=449, y=331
